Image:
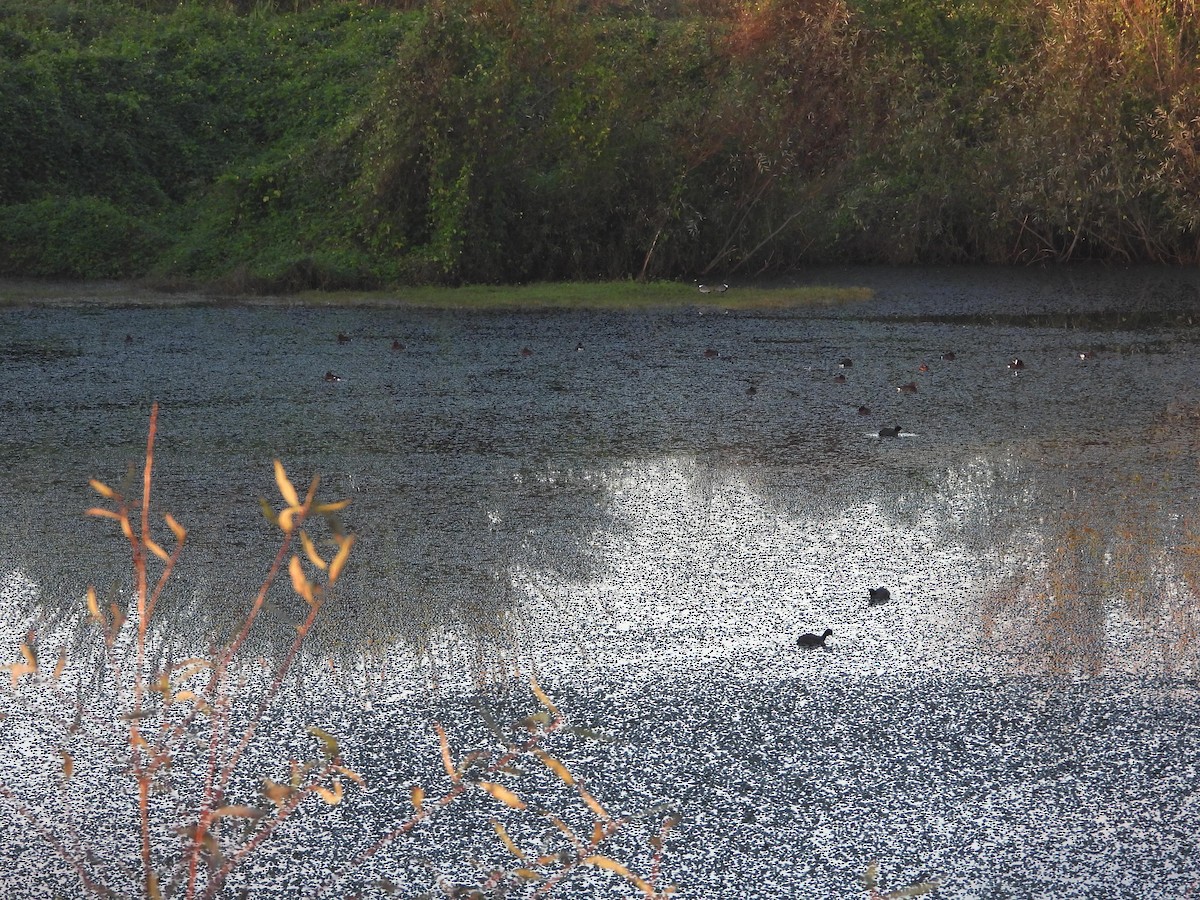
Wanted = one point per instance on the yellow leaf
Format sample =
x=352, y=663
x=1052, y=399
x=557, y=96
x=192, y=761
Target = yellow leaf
x=103, y=513
x=563, y=827
x=597, y=835
x=300, y=584
x=241, y=812
x=541, y=695
x=152, y=889
x=328, y=740
x=158, y=551
x=310, y=551
x=68, y=763
x=324, y=509
x=503, y=794
x=335, y=567
x=176, y=529
x=27, y=652
x=447, y=760
x=418, y=797
x=201, y=703
x=353, y=776
x=118, y=617
x=61, y=664
x=279, y=794
x=285, y=487
x=268, y=513
x=93, y=605
x=612, y=865
x=287, y=518
x=136, y=739
x=332, y=797
x=102, y=489
x=127, y=529
x=187, y=668
x=591, y=802
x=556, y=767
x=527, y=874
x=508, y=842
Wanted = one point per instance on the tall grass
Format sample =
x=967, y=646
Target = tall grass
x=160, y=745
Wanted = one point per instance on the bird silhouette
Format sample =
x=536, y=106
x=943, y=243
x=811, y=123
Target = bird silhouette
x=878, y=595
x=812, y=641
x=890, y=432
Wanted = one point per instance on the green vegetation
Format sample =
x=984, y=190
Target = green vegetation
x=280, y=146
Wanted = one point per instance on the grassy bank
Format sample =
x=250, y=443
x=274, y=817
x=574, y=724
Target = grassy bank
x=626, y=295
x=276, y=147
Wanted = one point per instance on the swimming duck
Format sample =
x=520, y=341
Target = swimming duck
x=949, y=356
x=878, y=595
x=923, y=368
x=396, y=345
x=343, y=338
x=1087, y=354
x=910, y=388
x=812, y=641
x=864, y=410
x=1016, y=364
x=846, y=362
x=525, y=351
x=711, y=353
x=889, y=432
x=329, y=376
x=839, y=378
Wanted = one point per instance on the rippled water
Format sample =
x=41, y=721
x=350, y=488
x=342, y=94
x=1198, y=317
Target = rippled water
x=650, y=526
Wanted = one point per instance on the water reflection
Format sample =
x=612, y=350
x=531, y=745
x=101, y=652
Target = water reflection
x=633, y=498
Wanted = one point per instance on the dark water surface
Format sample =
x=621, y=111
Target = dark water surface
x=650, y=526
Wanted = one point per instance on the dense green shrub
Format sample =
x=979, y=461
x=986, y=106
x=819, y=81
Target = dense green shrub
x=281, y=143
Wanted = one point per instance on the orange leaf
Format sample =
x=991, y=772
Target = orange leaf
x=592, y=804
x=332, y=797
x=324, y=509
x=503, y=794
x=300, y=584
x=68, y=763
x=103, y=489
x=93, y=605
x=310, y=551
x=418, y=796
x=335, y=567
x=612, y=865
x=508, y=842
x=158, y=551
x=176, y=529
x=556, y=767
x=61, y=664
x=279, y=794
x=285, y=486
x=353, y=776
x=103, y=513
x=545, y=700
x=447, y=760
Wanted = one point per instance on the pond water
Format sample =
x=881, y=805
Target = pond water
x=648, y=525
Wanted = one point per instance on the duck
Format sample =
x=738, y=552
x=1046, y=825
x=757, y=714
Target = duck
x=711, y=353
x=1087, y=354
x=839, y=378
x=910, y=388
x=329, y=376
x=890, y=432
x=525, y=351
x=1016, y=364
x=812, y=641
x=949, y=356
x=864, y=410
x=343, y=338
x=845, y=362
x=396, y=345
x=923, y=368
x=878, y=595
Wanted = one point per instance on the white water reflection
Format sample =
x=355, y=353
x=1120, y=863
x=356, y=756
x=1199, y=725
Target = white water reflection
x=700, y=569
